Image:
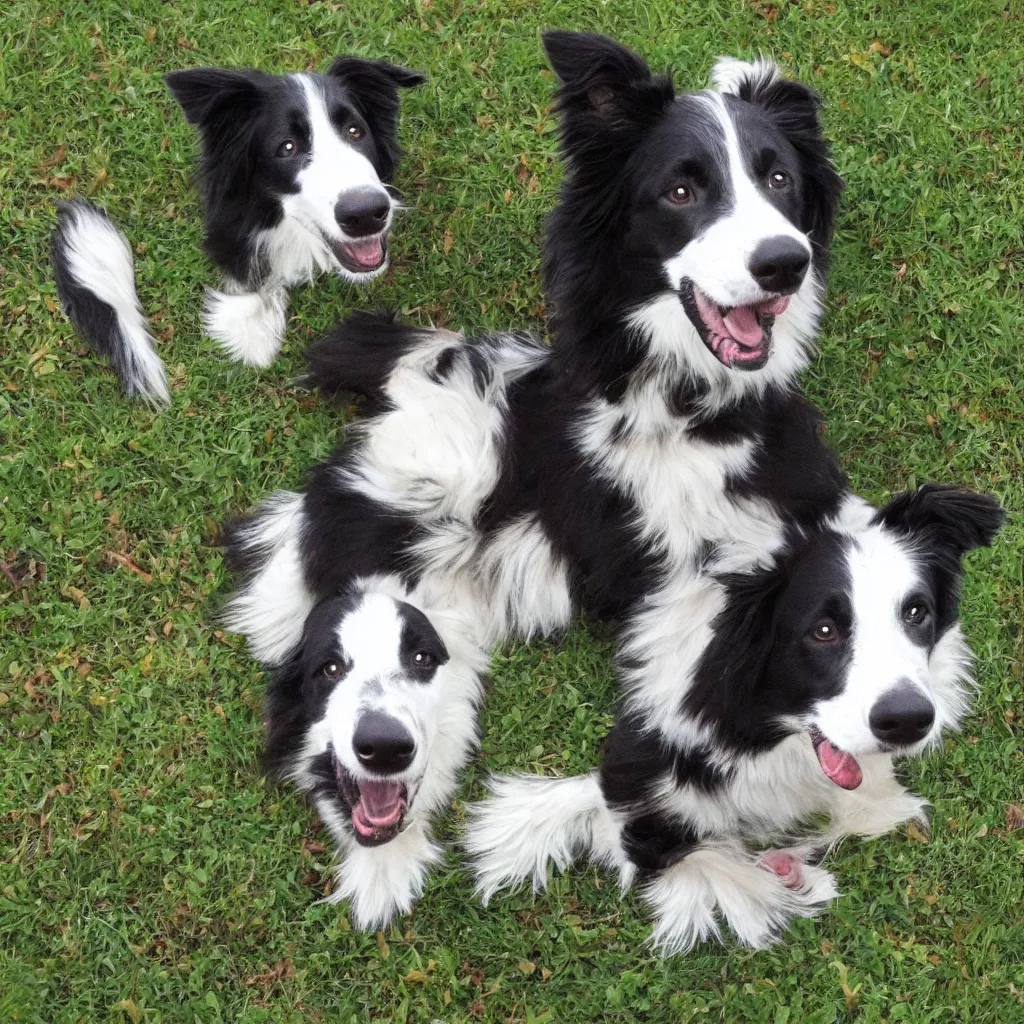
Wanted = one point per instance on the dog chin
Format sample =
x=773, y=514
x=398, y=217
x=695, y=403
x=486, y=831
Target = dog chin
x=378, y=807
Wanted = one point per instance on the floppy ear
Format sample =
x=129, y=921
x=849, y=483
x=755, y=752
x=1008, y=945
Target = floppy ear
x=606, y=89
x=374, y=85
x=952, y=519
x=209, y=94
x=795, y=109
x=284, y=716
x=733, y=665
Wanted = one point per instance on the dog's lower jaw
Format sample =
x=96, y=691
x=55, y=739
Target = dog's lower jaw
x=249, y=326
x=382, y=882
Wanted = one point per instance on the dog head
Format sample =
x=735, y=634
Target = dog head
x=715, y=207
x=315, y=149
x=852, y=638
x=352, y=718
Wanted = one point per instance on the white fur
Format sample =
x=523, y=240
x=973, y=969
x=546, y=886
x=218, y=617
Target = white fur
x=755, y=904
x=249, y=326
x=528, y=822
x=440, y=715
x=730, y=74
x=100, y=259
x=382, y=882
x=270, y=609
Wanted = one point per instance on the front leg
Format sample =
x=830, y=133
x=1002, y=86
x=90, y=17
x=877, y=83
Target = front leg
x=248, y=325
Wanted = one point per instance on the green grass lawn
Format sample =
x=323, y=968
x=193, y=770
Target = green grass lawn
x=146, y=871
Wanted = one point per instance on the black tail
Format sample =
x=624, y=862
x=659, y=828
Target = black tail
x=95, y=276
x=358, y=354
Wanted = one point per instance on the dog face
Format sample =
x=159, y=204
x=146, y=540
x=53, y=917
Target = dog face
x=725, y=198
x=313, y=150
x=354, y=716
x=853, y=638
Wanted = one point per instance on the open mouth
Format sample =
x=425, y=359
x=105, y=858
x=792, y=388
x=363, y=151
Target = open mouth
x=378, y=806
x=838, y=765
x=737, y=336
x=362, y=256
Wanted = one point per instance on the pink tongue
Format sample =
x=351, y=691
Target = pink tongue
x=380, y=805
x=741, y=322
x=366, y=252
x=839, y=766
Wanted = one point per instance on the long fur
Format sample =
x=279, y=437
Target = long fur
x=95, y=277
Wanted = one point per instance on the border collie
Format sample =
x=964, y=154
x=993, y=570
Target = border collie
x=841, y=654
x=294, y=173
x=657, y=447
x=295, y=178
x=374, y=715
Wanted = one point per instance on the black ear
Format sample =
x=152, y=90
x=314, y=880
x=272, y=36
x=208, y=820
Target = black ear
x=941, y=516
x=605, y=89
x=285, y=717
x=796, y=110
x=374, y=85
x=209, y=94
x=732, y=667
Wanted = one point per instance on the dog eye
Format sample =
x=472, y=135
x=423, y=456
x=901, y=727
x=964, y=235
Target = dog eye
x=287, y=148
x=355, y=132
x=778, y=179
x=424, y=659
x=680, y=195
x=825, y=631
x=915, y=614
x=332, y=669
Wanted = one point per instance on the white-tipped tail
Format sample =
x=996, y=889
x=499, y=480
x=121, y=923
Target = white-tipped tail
x=95, y=275
x=248, y=326
x=527, y=822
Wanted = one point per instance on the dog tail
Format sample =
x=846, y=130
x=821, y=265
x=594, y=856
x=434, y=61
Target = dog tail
x=360, y=353
x=95, y=275
x=528, y=821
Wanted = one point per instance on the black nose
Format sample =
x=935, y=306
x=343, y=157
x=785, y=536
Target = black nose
x=902, y=716
x=382, y=743
x=779, y=264
x=363, y=211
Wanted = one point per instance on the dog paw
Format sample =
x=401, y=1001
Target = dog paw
x=786, y=866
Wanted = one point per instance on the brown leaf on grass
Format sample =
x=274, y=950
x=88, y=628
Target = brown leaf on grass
x=878, y=47
x=185, y=44
x=151, y=34
x=1014, y=817
x=100, y=178
x=129, y=564
x=449, y=240
x=271, y=976
x=56, y=160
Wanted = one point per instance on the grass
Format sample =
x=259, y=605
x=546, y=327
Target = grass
x=146, y=872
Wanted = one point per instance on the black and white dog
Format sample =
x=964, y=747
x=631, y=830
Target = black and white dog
x=295, y=178
x=374, y=715
x=294, y=174
x=839, y=655
x=660, y=446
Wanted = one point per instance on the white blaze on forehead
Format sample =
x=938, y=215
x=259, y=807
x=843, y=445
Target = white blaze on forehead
x=334, y=167
x=717, y=260
x=883, y=575
x=371, y=637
